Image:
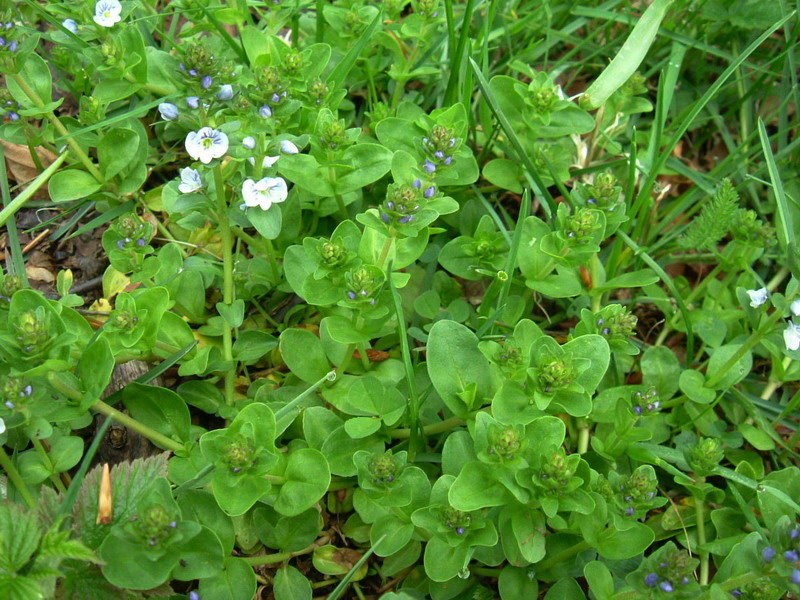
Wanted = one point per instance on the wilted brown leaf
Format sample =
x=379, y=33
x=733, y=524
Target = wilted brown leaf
x=22, y=167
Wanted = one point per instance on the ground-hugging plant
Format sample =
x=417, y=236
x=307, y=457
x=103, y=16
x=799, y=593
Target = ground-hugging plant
x=420, y=274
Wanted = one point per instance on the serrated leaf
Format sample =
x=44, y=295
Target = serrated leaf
x=19, y=537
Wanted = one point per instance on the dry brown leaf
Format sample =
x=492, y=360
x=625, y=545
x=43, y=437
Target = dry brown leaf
x=39, y=274
x=23, y=169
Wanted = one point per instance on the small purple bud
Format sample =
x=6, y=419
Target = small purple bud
x=12, y=46
x=364, y=293
x=650, y=408
x=9, y=405
x=140, y=242
x=235, y=469
x=666, y=586
x=662, y=565
x=153, y=541
x=276, y=98
x=736, y=592
x=283, y=93
x=448, y=160
x=600, y=321
x=13, y=116
x=206, y=81
x=656, y=405
x=424, y=140
x=120, y=244
x=452, y=142
x=628, y=499
x=265, y=112
x=389, y=478
x=439, y=154
x=27, y=390
x=793, y=534
x=181, y=67
x=193, y=102
x=434, y=15
x=372, y=301
x=791, y=555
x=351, y=295
x=385, y=217
x=417, y=183
x=2, y=41
x=460, y=530
x=390, y=205
x=173, y=524
x=650, y=495
x=9, y=25
x=651, y=580
x=638, y=410
x=795, y=576
x=406, y=219
x=192, y=72
x=429, y=192
x=768, y=554
x=571, y=234
x=591, y=201
x=429, y=166
x=685, y=581
x=605, y=331
x=629, y=511
x=194, y=595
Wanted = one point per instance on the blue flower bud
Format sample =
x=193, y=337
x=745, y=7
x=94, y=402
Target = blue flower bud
x=12, y=47
x=225, y=92
x=439, y=154
x=448, y=160
x=651, y=580
x=13, y=116
x=385, y=217
x=406, y=219
x=169, y=112
x=666, y=586
x=793, y=534
x=249, y=142
x=206, y=81
x=629, y=511
x=768, y=554
x=9, y=405
x=429, y=192
x=194, y=595
x=276, y=98
x=429, y=166
x=192, y=72
x=193, y=102
x=265, y=112
x=791, y=555
x=70, y=25
x=795, y=576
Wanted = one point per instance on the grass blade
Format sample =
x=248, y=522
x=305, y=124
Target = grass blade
x=457, y=58
x=549, y=203
x=339, y=589
x=337, y=76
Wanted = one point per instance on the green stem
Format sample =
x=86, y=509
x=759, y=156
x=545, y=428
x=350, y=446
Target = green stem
x=387, y=246
x=699, y=509
x=16, y=479
x=583, y=436
x=12, y=207
x=273, y=261
x=50, y=116
x=562, y=556
x=754, y=339
x=227, y=289
x=120, y=417
x=271, y=559
x=48, y=465
x=441, y=427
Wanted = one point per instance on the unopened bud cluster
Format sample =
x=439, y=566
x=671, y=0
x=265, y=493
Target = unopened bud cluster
x=15, y=392
x=239, y=453
x=578, y=227
x=32, y=330
x=456, y=520
x=706, y=455
x=557, y=472
x=604, y=192
x=505, y=443
x=617, y=325
x=645, y=402
x=9, y=284
x=155, y=524
x=333, y=253
x=439, y=147
x=404, y=201
x=363, y=284
x=557, y=373
x=383, y=469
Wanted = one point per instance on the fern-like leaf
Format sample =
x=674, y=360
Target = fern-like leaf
x=714, y=221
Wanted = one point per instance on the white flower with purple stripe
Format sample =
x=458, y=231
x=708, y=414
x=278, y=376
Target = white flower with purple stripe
x=190, y=181
x=757, y=297
x=70, y=25
x=107, y=13
x=264, y=192
x=206, y=144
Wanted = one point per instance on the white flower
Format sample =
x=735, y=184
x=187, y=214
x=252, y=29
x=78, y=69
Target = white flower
x=795, y=308
x=2, y=427
x=190, y=181
x=757, y=297
x=206, y=144
x=70, y=25
x=107, y=13
x=266, y=163
x=265, y=192
x=288, y=147
x=249, y=142
x=791, y=335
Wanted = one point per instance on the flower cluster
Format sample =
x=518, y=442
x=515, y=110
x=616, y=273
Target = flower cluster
x=555, y=374
x=8, y=285
x=579, y=227
x=6, y=40
x=604, y=193
x=132, y=231
x=620, y=324
x=155, y=524
x=7, y=104
x=557, y=472
x=14, y=392
x=404, y=201
x=705, y=455
x=383, y=469
x=505, y=443
x=32, y=330
x=270, y=85
x=239, y=453
x=645, y=402
x=364, y=284
x=671, y=574
x=439, y=148
x=639, y=490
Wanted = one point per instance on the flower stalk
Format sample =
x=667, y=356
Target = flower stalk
x=227, y=285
